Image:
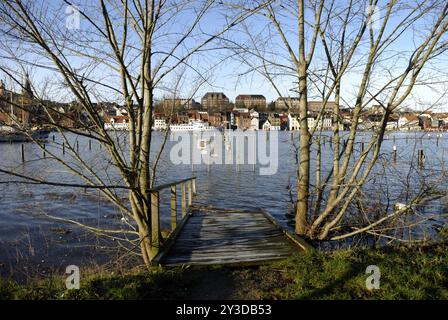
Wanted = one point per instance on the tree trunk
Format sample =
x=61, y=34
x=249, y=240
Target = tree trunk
x=303, y=184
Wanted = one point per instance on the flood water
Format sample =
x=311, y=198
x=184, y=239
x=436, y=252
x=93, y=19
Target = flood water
x=28, y=238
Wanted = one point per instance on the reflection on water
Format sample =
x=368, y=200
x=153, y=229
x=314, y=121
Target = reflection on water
x=224, y=185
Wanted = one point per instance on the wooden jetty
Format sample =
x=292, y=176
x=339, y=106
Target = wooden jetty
x=208, y=235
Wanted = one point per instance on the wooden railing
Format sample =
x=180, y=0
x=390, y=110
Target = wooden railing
x=188, y=190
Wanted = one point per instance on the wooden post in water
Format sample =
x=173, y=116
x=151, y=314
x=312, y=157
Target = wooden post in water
x=255, y=153
x=209, y=160
x=194, y=186
x=63, y=147
x=184, y=200
x=77, y=146
x=90, y=144
x=43, y=146
x=173, y=208
x=190, y=193
x=395, y=153
x=23, y=153
x=53, y=138
x=421, y=158
x=155, y=222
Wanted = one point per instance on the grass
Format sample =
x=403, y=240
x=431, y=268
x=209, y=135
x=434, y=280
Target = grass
x=416, y=273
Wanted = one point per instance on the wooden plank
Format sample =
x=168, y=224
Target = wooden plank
x=167, y=185
x=173, y=208
x=228, y=236
x=184, y=199
x=221, y=260
x=190, y=193
x=241, y=246
x=170, y=241
x=293, y=237
x=155, y=221
x=228, y=262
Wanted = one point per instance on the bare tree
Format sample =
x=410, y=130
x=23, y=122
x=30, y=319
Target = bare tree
x=126, y=49
x=352, y=52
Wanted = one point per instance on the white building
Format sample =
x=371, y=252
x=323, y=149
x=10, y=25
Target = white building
x=160, y=124
x=392, y=125
x=311, y=122
x=254, y=119
x=293, y=122
x=120, y=111
x=119, y=123
x=266, y=125
x=240, y=110
x=328, y=123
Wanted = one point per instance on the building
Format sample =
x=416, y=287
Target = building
x=408, y=122
x=180, y=117
x=425, y=121
x=218, y=119
x=241, y=110
x=283, y=122
x=327, y=122
x=275, y=121
x=243, y=120
x=317, y=106
x=117, y=123
x=179, y=104
x=443, y=120
x=287, y=103
x=293, y=122
x=160, y=122
x=250, y=101
x=265, y=125
x=214, y=101
x=17, y=107
x=254, y=119
x=293, y=104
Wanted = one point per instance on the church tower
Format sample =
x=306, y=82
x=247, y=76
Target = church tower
x=2, y=88
x=26, y=90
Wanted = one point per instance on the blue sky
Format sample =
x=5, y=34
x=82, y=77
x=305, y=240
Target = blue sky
x=225, y=77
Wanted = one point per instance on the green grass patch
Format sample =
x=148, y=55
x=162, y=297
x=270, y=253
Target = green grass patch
x=416, y=273
x=406, y=273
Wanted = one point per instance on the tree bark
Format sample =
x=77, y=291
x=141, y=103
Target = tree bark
x=303, y=184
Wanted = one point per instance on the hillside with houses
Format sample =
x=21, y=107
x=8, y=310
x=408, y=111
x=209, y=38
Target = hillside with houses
x=252, y=112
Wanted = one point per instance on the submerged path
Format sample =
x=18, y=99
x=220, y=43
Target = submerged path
x=212, y=236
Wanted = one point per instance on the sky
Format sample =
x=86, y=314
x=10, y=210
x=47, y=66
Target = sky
x=225, y=76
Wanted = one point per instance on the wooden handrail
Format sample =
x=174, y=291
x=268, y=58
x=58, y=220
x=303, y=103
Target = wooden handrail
x=155, y=208
x=167, y=185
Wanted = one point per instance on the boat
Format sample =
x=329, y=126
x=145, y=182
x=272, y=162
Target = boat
x=117, y=126
x=13, y=134
x=193, y=125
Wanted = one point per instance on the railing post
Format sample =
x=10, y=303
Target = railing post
x=155, y=222
x=173, y=208
x=190, y=193
x=184, y=200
